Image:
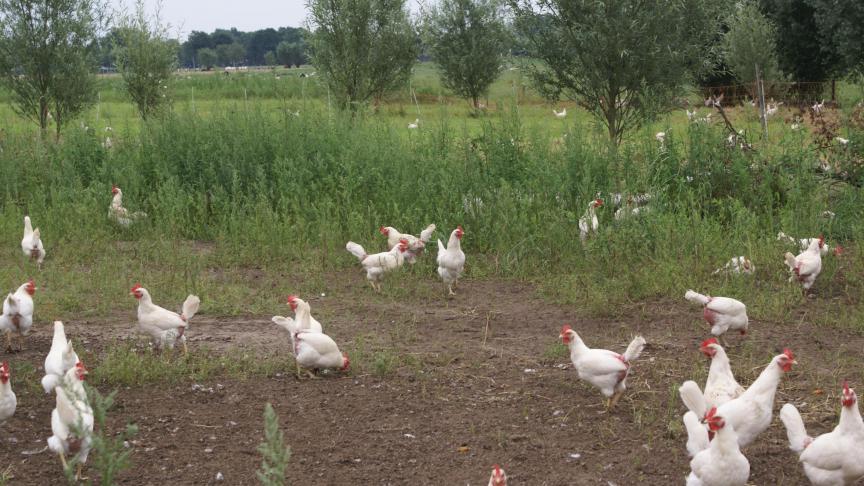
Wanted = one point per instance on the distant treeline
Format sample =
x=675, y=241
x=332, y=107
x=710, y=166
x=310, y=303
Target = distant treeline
x=223, y=47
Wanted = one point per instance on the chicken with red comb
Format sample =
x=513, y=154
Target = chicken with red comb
x=607, y=370
x=451, y=259
x=835, y=458
x=721, y=386
x=721, y=313
x=165, y=328
x=17, y=317
x=721, y=461
x=499, y=477
x=8, y=401
x=378, y=264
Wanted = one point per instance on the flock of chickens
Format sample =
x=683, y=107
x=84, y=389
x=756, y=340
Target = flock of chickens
x=721, y=419
x=72, y=418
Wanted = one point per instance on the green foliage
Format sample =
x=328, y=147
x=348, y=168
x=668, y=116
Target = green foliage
x=799, y=42
x=623, y=60
x=207, y=58
x=362, y=48
x=468, y=41
x=291, y=53
x=109, y=454
x=56, y=75
x=841, y=28
x=146, y=58
x=274, y=451
x=270, y=59
x=231, y=54
x=750, y=42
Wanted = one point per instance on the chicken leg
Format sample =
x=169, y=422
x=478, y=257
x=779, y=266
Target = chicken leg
x=614, y=399
x=63, y=462
x=79, y=473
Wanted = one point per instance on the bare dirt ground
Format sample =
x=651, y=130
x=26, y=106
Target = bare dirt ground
x=452, y=406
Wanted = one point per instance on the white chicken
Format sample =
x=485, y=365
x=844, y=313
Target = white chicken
x=8, y=402
x=720, y=462
x=416, y=245
x=118, y=213
x=72, y=422
x=589, y=223
x=61, y=358
x=380, y=263
x=18, y=314
x=737, y=265
x=806, y=266
x=451, y=260
x=721, y=386
x=804, y=243
x=835, y=458
x=722, y=313
x=31, y=244
x=607, y=370
x=315, y=350
x=749, y=414
x=560, y=114
x=498, y=478
x=164, y=327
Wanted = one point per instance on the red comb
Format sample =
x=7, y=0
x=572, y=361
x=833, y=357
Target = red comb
x=565, y=328
x=708, y=341
x=292, y=298
x=5, y=367
x=845, y=386
x=136, y=287
x=711, y=413
x=789, y=354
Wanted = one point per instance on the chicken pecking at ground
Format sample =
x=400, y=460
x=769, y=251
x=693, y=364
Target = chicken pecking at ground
x=607, y=370
x=451, y=260
x=17, y=314
x=8, y=402
x=61, y=358
x=302, y=321
x=164, y=327
x=721, y=386
x=31, y=243
x=722, y=313
x=806, y=266
x=720, y=461
x=750, y=414
x=315, y=350
x=72, y=420
x=416, y=245
x=835, y=458
x=499, y=477
x=118, y=213
x=380, y=263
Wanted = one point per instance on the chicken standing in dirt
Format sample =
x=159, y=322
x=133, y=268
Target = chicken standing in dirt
x=17, y=314
x=720, y=462
x=451, y=260
x=835, y=458
x=607, y=370
x=31, y=244
x=72, y=420
x=315, y=350
x=61, y=358
x=749, y=414
x=302, y=322
x=416, y=245
x=721, y=386
x=8, y=402
x=164, y=327
x=806, y=266
x=722, y=313
x=499, y=477
x=380, y=263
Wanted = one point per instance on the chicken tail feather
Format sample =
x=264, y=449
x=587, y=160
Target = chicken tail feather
x=697, y=434
x=28, y=226
x=790, y=260
x=426, y=234
x=190, y=306
x=692, y=397
x=697, y=297
x=634, y=349
x=795, y=431
x=356, y=250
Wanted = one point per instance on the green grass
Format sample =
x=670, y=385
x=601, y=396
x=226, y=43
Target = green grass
x=234, y=184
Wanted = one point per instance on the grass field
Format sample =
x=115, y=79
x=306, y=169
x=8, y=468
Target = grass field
x=256, y=182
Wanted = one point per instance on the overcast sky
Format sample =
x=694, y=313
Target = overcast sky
x=246, y=15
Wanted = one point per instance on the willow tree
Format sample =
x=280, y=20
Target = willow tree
x=625, y=61
x=361, y=48
x=48, y=56
x=468, y=41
